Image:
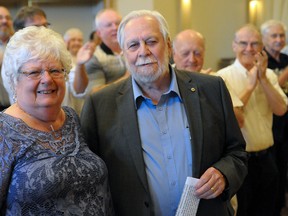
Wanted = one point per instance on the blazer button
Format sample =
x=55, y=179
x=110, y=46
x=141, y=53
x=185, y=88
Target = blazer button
x=146, y=204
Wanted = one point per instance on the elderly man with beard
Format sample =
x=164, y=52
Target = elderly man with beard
x=6, y=31
x=159, y=126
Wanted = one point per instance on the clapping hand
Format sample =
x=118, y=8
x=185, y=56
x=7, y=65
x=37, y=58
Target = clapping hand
x=261, y=63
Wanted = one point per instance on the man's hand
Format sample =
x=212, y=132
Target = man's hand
x=252, y=75
x=211, y=184
x=261, y=63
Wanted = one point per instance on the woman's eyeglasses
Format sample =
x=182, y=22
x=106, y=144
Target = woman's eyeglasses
x=36, y=75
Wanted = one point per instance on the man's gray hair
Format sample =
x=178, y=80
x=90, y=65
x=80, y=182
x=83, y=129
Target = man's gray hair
x=142, y=13
x=268, y=24
x=98, y=15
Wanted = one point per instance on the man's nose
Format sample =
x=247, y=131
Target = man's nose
x=144, y=49
x=192, y=57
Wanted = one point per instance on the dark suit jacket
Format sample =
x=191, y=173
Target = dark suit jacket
x=109, y=122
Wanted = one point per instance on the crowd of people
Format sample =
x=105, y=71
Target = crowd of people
x=114, y=126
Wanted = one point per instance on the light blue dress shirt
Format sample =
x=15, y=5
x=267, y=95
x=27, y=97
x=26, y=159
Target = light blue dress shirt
x=166, y=145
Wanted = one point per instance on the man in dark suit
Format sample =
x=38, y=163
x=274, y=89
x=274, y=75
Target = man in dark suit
x=161, y=125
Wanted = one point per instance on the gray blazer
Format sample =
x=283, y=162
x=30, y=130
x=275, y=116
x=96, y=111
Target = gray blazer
x=109, y=123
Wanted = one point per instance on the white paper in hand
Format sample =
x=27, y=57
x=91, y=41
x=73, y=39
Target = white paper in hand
x=189, y=202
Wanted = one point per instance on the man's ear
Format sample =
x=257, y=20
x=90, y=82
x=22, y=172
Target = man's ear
x=67, y=44
x=98, y=33
x=169, y=46
x=234, y=46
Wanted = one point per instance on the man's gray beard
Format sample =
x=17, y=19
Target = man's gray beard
x=144, y=78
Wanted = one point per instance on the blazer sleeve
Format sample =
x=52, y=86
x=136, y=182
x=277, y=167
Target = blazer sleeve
x=89, y=124
x=233, y=164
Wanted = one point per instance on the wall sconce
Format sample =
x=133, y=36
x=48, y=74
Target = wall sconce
x=186, y=2
x=255, y=11
x=185, y=14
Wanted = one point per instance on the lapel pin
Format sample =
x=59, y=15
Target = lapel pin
x=193, y=89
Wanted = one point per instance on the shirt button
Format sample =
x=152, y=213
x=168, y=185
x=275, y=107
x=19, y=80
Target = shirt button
x=169, y=157
x=173, y=183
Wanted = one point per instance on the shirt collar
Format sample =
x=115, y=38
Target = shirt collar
x=240, y=67
x=106, y=49
x=138, y=94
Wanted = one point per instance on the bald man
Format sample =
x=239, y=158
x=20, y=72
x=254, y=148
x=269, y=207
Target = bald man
x=189, y=51
x=107, y=65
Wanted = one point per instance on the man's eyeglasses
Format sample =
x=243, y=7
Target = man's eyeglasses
x=6, y=17
x=244, y=44
x=36, y=75
x=46, y=25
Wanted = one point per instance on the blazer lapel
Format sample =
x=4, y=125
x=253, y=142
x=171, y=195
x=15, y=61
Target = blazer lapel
x=190, y=94
x=128, y=118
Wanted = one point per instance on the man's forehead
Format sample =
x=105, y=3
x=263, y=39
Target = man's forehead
x=108, y=16
x=248, y=36
x=277, y=29
x=4, y=11
x=144, y=23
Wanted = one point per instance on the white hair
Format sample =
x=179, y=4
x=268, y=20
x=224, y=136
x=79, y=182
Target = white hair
x=32, y=43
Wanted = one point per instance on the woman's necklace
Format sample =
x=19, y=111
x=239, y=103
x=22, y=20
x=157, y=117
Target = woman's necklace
x=33, y=122
x=55, y=143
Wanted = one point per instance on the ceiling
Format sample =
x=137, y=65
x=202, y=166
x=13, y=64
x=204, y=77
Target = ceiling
x=19, y=3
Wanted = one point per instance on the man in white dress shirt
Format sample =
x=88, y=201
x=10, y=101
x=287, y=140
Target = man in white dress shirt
x=258, y=89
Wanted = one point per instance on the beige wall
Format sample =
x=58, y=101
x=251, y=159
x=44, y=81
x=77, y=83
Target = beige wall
x=169, y=11
x=217, y=21
x=65, y=17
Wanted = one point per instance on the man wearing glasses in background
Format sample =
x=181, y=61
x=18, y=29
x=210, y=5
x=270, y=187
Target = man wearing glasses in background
x=258, y=89
x=30, y=16
x=6, y=31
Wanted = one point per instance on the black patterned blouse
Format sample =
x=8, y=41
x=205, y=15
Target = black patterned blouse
x=50, y=173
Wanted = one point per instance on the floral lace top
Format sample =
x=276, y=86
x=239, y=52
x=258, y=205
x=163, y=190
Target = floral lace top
x=50, y=173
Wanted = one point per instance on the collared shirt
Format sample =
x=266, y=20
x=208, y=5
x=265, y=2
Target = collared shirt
x=278, y=67
x=166, y=145
x=258, y=115
x=235, y=100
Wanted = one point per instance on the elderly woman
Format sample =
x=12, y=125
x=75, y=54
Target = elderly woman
x=46, y=166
